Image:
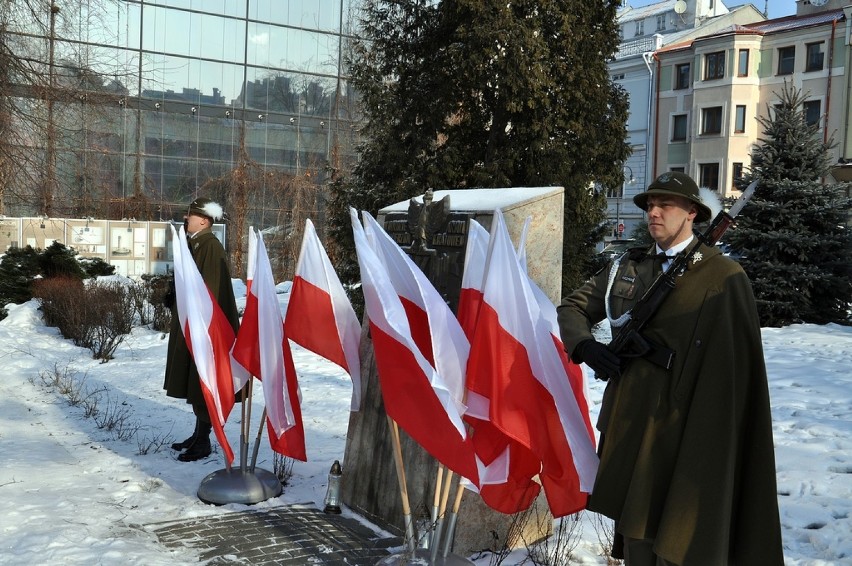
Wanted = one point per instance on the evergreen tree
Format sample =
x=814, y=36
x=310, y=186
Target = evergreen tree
x=58, y=260
x=18, y=267
x=472, y=93
x=793, y=237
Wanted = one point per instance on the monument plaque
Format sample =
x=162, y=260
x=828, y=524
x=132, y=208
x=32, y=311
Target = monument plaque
x=432, y=229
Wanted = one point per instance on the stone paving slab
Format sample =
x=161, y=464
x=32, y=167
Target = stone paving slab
x=295, y=535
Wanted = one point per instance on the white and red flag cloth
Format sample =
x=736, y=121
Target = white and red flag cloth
x=415, y=394
x=515, y=489
x=247, y=346
x=525, y=384
x=470, y=297
x=263, y=349
x=434, y=327
x=320, y=317
x=209, y=338
x=251, y=261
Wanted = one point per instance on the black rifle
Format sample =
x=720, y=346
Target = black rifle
x=628, y=342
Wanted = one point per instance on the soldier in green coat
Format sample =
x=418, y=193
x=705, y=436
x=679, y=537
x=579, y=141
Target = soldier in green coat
x=182, y=379
x=687, y=466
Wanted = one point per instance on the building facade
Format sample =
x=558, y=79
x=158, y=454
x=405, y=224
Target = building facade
x=714, y=88
x=137, y=106
x=644, y=31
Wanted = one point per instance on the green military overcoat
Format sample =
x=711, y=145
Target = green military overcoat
x=687, y=455
x=181, y=374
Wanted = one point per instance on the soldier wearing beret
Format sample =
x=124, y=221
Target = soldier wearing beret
x=687, y=462
x=182, y=379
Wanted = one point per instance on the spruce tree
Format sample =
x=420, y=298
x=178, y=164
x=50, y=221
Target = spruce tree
x=793, y=237
x=480, y=93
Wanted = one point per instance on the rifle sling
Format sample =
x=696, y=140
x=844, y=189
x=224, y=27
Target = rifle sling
x=641, y=347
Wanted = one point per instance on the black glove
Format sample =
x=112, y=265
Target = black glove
x=598, y=357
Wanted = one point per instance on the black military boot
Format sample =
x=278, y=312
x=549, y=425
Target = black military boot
x=201, y=447
x=188, y=442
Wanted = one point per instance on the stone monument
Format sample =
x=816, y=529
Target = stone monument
x=432, y=229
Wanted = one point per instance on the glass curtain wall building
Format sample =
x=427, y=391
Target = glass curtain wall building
x=135, y=107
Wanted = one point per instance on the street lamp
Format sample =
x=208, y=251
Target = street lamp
x=629, y=179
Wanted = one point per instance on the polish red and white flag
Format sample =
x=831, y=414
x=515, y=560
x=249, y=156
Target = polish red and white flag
x=209, y=338
x=415, y=393
x=319, y=316
x=514, y=489
x=473, y=276
x=521, y=381
x=434, y=327
x=251, y=260
x=247, y=346
x=263, y=348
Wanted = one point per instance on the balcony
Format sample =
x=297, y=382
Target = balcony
x=639, y=46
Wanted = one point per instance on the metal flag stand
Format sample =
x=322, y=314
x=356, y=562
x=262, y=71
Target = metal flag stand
x=433, y=555
x=247, y=485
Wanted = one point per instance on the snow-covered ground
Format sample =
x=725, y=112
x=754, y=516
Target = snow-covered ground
x=75, y=493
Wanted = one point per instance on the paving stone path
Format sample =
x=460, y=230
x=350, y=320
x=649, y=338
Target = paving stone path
x=296, y=535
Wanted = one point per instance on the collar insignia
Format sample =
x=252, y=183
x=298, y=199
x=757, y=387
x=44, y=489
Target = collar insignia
x=698, y=256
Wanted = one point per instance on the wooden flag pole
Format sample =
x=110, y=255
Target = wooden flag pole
x=454, y=515
x=436, y=500
x=403, y=487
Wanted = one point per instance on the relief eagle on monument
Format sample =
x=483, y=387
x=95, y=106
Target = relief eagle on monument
x=433, y=248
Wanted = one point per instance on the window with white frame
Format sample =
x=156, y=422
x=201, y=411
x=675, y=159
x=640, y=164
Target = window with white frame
x=786, y=60
x=814, y=56
x=709, y=175
x=813, y=112
x=714, y=65
x=679, y=127
x=740, y=119
x=682, y=76
x=711, y=120
x=736, y=172
x=640, y=28
x=742, y=63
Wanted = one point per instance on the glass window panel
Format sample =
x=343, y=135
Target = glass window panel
x=714, y=65
x=310, y=14
x=712, y=120
x=737, y=172
x=195, y=35
x=190, y=80
x=815, y=57
x=102, y=23
x=259, y=84
x=217, y=38
x=314, y=52
x=94, y=68
x=18, y=18
x=191, y=34
x=786, y=60
x=740, y=119
x=710, y=175
x=813, y=112
x=277, y=47
x=187, y=80
x=682, y=76
x=166, y=30
x=679, y=127
x=742, y=63
x=235, y=8
x=222, y=81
